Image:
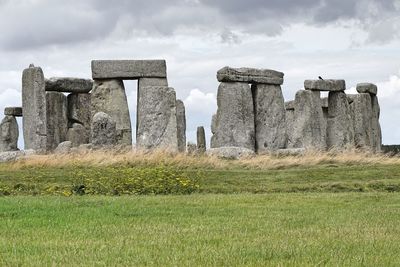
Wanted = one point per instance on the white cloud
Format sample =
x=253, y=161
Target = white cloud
x=203, y=103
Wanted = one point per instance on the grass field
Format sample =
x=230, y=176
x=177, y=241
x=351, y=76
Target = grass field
x=314, y=210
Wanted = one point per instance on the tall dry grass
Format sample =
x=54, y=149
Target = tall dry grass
x=143, y=158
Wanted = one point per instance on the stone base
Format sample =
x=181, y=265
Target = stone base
x=230, y=152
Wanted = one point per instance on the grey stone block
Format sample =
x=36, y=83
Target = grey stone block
x=362, y=121
x=68, y=84
x=201, y=140
x=231, y=152
x=325, y=85
x=308, y=128
x=56, y=119
x=270, y=114
x=250, y=75
x=289, y=105
x=9, y=134
x=13, y=111
x=289, y=127
x=181, y=125
x=79, y=110
x=109, y=96
x=340, y=128
x=63, y=148
x=104, y=130
x=376, y=126
x=367, y=88
x=34, y=108
x=78, y=135
x=157, y=118
x=128, y=69
x=235, y=117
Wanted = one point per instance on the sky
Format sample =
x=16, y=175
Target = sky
x=355, y=40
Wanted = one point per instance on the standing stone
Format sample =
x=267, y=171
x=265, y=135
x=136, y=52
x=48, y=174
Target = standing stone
x=34, y=107
x=57, y=120
x=109, y=96
x=9, y=134
x=104, y=130
x=181, y=125
x=340, y=129
x=78, y=135
x=325, y=112
x=214, y=125
x=376, y=127
x=79, y=111
x=234, y=121
x=289, y=106
x=157, y=118
x=201, y=140
x=362, y=116
x=269, y=112
x=308, y=128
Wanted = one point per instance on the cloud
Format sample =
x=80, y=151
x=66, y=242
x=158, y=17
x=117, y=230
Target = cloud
x=199, y=102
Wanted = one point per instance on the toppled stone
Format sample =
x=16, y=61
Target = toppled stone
x=10, y=156
x=234, y=121
x=34, y=108
x=181, y=125
x=230, y=152
x=289, y=105
x=128, y=69
x=63, y=148
x=325, y=85
x=109, y=96
x=78, y=135
x=104, y=130
x=157, y=119
x=362, y=121
x=270, y=114
x=57, y=121
x=68, y=84
x=250, y=75
x=79, y=111
x=9, y=134
x=290, y=152
x=191, y=148
x=13, y=111
x=367, y=88
x=376, y=126
x=201, y=140
x=340, y=129
x=308, y=128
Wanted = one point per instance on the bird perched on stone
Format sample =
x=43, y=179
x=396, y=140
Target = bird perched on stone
x=319, y=77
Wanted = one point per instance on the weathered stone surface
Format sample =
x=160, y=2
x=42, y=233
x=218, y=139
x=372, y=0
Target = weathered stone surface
x=13, y=111
x=214, y=125
x=104, y=130
x=250, y=75
x=235, y=117
x=128, y=69
x=289, y=127
x=157, y=118
x=376, y=126
x=230, y=152
x=63, y=148
x=10, y=156
x=68, y=84
x=362, y=121
x=351, y=97
x=79, y=110
x=34, y=108
x=78, y=135
x=56, y=119
x=325, y=102
x=308, y=128
x=290, y=152
x=201, y=139
x=367, y=88
x=109, y=96
x=145, y=82
x=9, y=134
x=270, y=114
x=340, y=129
x=181, y=125
x=325, y=85
x=289, y=105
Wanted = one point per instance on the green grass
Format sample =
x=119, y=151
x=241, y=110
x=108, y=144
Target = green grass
x=322, y=229
x=322, y=178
